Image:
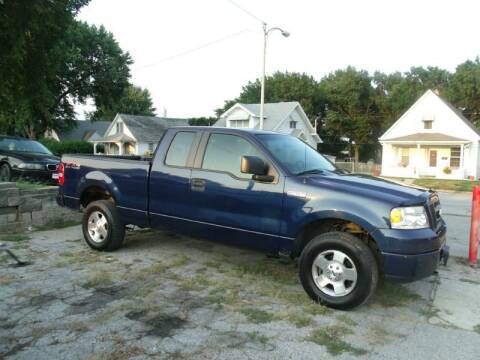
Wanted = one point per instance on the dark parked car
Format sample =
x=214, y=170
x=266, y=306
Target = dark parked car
x=20, y=157
x=267, y=191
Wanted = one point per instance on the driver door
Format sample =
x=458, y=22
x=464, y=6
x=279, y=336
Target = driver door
x=226, y=199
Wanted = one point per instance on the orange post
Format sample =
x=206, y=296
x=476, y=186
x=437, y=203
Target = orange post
x=473, y=250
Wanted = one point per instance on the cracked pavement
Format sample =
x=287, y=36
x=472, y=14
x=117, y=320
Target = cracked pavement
x=169, y=296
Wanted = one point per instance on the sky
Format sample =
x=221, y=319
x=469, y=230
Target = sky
x=193, y=55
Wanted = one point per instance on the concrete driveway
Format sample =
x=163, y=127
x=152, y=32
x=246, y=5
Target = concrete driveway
x=456, y=210
x=164, y=296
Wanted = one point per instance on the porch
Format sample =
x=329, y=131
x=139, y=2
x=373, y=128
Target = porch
x=118, y=144
x=426, y=160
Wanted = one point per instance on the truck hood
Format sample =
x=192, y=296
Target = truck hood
x=372, y=187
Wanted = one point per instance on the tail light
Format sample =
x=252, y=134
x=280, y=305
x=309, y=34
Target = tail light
x=61, y=174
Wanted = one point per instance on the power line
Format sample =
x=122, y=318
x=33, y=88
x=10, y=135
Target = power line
x=189, y=51
x=246, y=11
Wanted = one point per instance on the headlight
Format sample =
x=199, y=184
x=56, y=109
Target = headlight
x=413, y=217
x=31, y=166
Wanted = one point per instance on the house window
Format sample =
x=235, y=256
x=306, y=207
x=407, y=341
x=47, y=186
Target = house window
x=455, y=157
x=239, y=123
x=150, y=147
x=405, y=156
x=427, y=124
x=293, y=124
x=119, y=127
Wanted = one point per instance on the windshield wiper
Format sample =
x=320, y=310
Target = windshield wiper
x=311, y=171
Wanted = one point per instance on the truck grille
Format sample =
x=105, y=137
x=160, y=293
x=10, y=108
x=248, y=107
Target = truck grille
x=52, y=167
x=434, y=210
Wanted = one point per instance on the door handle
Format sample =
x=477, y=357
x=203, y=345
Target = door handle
x=198, y=184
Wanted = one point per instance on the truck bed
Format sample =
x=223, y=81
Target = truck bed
x=125, y=178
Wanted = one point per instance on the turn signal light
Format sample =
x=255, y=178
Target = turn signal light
x=61, y=174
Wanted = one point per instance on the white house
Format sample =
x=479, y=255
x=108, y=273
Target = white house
x=282, y=117
x=134, y=134
x=432, y=139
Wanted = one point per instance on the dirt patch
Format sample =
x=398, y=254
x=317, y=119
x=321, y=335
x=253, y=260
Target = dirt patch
x=160, y=324
x=99, y=298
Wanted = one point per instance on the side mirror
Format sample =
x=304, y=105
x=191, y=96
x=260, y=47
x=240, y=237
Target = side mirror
x=257, y=167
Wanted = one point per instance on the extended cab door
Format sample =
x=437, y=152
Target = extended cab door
x=229, y=203
x=169, y=186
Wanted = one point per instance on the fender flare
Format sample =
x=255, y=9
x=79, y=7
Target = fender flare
x=333, y=215
x=100, y=180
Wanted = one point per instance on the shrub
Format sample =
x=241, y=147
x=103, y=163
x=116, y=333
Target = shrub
x=67, y=147
x=447, y=170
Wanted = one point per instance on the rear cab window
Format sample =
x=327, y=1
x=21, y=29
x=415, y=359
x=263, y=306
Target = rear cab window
x=177, y=154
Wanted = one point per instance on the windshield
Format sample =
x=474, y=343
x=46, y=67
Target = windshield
x=23, y=145
x=295, y=155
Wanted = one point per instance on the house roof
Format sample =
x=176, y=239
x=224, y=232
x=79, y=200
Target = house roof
x=429, y=92
x=116, y=137
x=84, y=129
x=273, y=113
x=427, y=137
x=149, y=128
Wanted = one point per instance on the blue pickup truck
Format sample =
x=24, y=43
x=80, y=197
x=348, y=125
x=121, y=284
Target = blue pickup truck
x=267, y=191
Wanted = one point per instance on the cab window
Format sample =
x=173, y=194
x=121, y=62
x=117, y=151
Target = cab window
x=179, y=149
x=224, y=153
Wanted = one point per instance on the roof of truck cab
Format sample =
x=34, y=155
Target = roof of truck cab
x=223, y=129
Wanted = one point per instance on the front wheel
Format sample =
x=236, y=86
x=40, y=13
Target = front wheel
x=5, y=172
x=102, y=226
x=339, y=270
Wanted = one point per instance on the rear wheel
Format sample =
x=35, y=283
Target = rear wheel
x=339, y=270
x=102, y=226
x=5, y=172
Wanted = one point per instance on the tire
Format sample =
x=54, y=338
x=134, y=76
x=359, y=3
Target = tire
x=5, y=173
x=102, y=228
x=358, y=271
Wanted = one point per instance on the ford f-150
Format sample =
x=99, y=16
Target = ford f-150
x=267, y=191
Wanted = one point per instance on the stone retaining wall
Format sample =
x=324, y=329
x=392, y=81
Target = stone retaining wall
x=22, y=209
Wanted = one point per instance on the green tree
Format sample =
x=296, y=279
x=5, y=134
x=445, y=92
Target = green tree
x=464, y=90
x=282, y=87
x=51, y=61
x=396, y=92
x=134, y=101
x=351, y=112
x=202, y=121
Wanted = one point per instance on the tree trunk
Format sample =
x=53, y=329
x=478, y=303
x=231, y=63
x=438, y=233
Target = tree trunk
x=357, y=152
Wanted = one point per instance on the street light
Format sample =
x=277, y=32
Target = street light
x=262, y=91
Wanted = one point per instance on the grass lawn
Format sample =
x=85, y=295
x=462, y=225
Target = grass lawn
x=455, y=185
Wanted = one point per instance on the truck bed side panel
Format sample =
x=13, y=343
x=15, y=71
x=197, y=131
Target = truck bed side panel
x=126, y=180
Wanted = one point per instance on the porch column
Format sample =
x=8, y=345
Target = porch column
x=94, y=148
x=461, y=161
x=120, y=148
x=417, y=162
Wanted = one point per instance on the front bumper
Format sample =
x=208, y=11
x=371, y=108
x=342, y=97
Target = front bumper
x=42, y=175
x=418, y=258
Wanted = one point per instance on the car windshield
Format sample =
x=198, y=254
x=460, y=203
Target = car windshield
x=298, y=157
x=23, y=145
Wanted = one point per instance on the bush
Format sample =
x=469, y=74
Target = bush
x=67, y=147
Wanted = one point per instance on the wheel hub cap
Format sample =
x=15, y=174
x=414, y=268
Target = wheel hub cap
x=97, y=226
x=334, y=273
